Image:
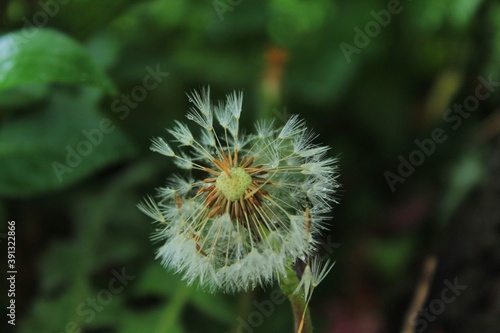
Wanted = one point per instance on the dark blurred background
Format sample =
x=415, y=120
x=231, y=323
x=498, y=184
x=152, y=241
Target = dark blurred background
x=405, y=93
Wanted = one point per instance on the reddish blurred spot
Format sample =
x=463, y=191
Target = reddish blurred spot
x=407, y=215
x=276, y=59
x=349, y=319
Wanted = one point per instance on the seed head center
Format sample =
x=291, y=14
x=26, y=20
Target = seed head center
x=235, y=186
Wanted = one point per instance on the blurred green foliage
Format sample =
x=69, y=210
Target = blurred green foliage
x=70, y=68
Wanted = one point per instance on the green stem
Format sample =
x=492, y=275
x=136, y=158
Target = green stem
x=299, y=306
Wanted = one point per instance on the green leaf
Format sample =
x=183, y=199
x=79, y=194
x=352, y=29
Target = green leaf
x=155, y=321
x=466, y=173
x=22, y=96
x=58, y=145
x=156, y=280
x=214, y=306
x=63, y=264
x=169, y=320
x=46, y=56
x=391, y=255
x=291, y=20
x=160, y=281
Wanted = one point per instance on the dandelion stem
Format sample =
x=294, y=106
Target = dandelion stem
x=301, y=315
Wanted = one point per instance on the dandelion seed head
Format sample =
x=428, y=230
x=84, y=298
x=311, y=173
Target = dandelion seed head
x=251, y=203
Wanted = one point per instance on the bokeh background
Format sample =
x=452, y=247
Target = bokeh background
x=84, y=85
